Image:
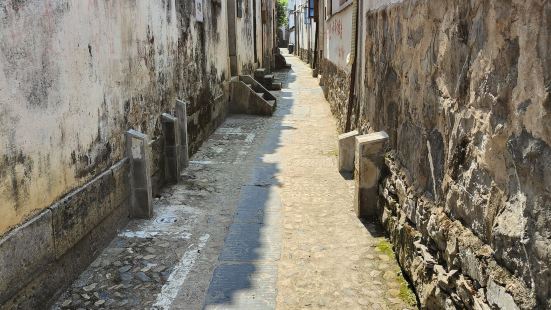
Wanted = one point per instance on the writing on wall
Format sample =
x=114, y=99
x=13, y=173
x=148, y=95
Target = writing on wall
x=338, y=37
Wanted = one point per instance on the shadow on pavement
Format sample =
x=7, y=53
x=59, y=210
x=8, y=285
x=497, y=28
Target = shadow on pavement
x=246, y=276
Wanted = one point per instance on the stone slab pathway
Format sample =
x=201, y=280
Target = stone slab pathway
x=167, y=262
x=261, y=220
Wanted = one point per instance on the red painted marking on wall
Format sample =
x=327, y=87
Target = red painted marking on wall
x=341, y=52
x=48, y=14
x=335, y=27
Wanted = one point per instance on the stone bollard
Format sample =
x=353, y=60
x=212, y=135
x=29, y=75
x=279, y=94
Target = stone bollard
x=347, y=150
x=181, y=114
x=141, y=201
x=171, y=134
x=370, y=151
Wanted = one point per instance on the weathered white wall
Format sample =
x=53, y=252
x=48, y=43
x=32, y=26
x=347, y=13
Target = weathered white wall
x=291, y=20
x=376, y=4
x=258, y=38
x=76, y=74
x=268, y=34
x=307, y=31
x=304, y=31
x=245, y=37
x=339, y=5
x=338, y=37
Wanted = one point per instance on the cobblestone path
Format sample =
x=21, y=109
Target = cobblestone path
x=261, y=220
x=329, y=258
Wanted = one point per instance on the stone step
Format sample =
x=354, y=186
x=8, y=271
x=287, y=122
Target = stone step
x=268, y=79
x=259, y=72
x=275, y=86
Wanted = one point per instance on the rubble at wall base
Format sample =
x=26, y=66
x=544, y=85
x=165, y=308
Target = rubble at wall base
x=336, y=83
x=447, y=264
x=306, y=55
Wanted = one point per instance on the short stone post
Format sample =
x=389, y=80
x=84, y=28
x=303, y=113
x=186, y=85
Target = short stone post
x=141, y=200
x=370, y=151
x=181, y=115
x=171, y=134
x=347, y=150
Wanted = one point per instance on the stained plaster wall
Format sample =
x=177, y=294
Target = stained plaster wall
x=75, y=75
x=245, y=39
x=269, y=35
x=338, y=37
x=306, y=33
x=335, y=67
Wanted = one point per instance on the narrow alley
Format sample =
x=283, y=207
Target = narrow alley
x=275, y=154
x=263, y=219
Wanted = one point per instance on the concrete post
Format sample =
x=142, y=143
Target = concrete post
x=347, y=149
x=171, y=134
x=141, y=200
x=181, y=115
x=370, y=151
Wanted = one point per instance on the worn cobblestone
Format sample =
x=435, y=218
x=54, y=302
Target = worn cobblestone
x=330, y=259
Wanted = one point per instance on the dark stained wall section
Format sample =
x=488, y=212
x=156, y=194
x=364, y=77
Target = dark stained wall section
x=75, y=75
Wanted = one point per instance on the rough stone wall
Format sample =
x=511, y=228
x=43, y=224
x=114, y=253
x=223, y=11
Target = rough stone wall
x=75, y=75
x=304, y=55
x=270, y=35
x=464, y=90
x=336, y=82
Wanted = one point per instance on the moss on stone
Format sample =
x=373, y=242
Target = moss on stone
x=331, y=153
x=406, y=294
x=386, y=248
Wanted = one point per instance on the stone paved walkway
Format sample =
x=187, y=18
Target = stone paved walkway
x=329, y=258
x=261, y=220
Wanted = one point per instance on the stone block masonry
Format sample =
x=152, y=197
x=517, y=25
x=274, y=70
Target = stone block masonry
x=336, y=83
x=448, y=264
x=462, y=88
x=74, y=216
x=41, y=256
x=23, y=252
x=306, y=55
